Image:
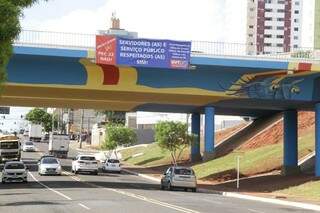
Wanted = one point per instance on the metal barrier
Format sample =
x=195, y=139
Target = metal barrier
x=199, y=48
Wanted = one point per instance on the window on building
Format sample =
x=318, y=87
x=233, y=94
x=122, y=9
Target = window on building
x=251, y=9
x=297, y=3
x=296, y=29
x=268, y=1
x=296, y=20
x=296, y=12
x=279, y=45
x=268, y=10
x=279, y=36
x=280, y=19
x=267, y=44
x=251, y=26
x=281, y=2
x=268, y=19
x=295, y=37
x=295, y=46
x=280, y=10
x=280, y=28
x=268, y=36
x=268, y=27
x=250, y=35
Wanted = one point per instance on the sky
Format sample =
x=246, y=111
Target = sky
x=171, y=19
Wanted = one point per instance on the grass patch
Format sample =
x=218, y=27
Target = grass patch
x=253, y=161
x=153, y=155
x=306, y=190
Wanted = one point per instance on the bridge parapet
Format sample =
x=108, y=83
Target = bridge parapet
x=46, y=39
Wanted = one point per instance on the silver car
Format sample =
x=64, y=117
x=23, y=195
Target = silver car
x=49, y=166
x=14, y=171
x=179, y=177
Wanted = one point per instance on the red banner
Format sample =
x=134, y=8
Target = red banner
x=106, y=49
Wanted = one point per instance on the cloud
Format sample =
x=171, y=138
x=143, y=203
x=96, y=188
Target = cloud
x=209, y=20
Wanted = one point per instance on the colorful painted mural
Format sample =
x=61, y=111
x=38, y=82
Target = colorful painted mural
x=66, y=78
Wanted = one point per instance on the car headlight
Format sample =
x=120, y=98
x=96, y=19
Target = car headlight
x=59, y=168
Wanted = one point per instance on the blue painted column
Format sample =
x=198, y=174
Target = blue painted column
x=209, y=134
x=195, y=129
x=317, y=145
x=290, y=138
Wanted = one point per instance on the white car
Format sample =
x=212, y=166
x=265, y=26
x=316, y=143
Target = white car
x=85, y=163
x=49, y=166
x=28, y=147
x=14, y=171
x=112, y=165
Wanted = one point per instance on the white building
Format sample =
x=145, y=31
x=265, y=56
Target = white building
x=273, y=26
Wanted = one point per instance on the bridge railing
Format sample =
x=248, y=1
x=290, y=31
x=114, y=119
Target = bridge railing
x=199, y=48
x=55, y=39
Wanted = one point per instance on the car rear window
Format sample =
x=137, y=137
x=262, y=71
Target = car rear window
x=15, y=166
x=49, y=161
x=183, y=171
x=113, y=161
x=87, y=158
x=29, y=143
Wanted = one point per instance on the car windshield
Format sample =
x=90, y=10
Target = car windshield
x=29, y=143
x=87, y=158
x=14, y=166
x=113, y=161
x=9, y=145
x=49, y=161
x=183, y=171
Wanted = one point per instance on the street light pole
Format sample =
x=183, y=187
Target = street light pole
x=81, y=126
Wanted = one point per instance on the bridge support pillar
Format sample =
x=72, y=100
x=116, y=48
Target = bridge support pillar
x=290, y=138
x=317, y=145
x=209, y=134
x=195, y=130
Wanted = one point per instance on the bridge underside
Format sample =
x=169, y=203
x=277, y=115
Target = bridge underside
x=42, y=96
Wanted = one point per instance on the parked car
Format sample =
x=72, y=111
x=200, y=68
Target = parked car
x=49, y=166
x=112, y=165
x=179, y=177
x=85, y=163
x=14, y=171
x=28, y=147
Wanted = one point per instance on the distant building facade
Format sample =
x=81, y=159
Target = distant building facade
x=273, y=26
x=317, y=25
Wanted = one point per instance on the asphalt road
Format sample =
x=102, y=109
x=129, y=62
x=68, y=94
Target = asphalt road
x=110, y=192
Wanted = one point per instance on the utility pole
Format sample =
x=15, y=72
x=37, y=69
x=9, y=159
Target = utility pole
x=52, y=123
x=81, y=126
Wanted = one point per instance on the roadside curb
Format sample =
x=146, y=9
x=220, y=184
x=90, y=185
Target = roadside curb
x=241, y=196
x=154, y=179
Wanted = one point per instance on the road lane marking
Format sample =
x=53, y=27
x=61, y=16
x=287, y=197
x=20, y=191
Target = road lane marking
x=150, y=200
x=255, y=211
x=140, y=197
x=84, y=206
x=55, y=191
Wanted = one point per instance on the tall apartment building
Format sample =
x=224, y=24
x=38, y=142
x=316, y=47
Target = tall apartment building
x=317, y=25
x=273, y=26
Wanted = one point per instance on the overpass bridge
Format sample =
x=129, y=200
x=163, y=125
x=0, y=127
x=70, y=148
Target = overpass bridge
x=59, y=70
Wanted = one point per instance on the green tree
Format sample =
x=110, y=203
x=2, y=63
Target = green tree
x=40, y=116
x=114, y=117
x=174, y=137
x=10, y=13
x=118, y=135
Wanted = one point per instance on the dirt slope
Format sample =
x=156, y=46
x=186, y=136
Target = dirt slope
x=274, y=133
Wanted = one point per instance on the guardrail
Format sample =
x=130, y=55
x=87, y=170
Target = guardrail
x=199, y=48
